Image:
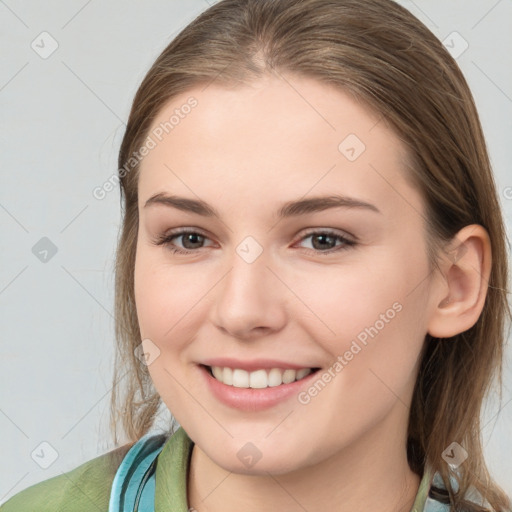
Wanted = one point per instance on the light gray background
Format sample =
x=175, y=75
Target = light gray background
x=62, y=122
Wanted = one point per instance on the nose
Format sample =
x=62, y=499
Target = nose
x=250, y=301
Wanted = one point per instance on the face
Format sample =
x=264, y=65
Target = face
x=342, y=288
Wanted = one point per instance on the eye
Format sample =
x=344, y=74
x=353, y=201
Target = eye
x=326, y=238
x=187, y=235
x=322, y=239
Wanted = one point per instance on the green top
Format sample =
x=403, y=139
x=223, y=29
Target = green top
x=87, y=487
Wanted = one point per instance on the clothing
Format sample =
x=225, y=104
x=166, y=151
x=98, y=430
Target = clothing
x=161, y=462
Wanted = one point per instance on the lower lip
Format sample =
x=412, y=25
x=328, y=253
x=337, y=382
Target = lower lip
x=251, y=399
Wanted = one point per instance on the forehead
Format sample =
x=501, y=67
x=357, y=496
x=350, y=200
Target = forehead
x=278, y=138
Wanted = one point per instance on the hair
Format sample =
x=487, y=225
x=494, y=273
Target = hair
x=392, y=63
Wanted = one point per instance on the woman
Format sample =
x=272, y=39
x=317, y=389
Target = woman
x=303, y=377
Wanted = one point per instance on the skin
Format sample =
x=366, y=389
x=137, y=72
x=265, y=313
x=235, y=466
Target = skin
x=246, y=151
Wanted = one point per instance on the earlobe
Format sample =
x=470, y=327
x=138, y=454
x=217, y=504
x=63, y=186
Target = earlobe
x=460, y=298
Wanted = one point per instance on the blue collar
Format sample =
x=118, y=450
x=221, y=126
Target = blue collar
x=133, y=488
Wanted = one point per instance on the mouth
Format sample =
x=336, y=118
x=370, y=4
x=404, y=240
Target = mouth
x=258, y=379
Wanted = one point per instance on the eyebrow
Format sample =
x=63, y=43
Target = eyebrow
x=288, y=209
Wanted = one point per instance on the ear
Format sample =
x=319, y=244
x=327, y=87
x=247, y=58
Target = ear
x=460, y=293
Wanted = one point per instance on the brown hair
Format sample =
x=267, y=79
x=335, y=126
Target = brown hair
x=385, y=57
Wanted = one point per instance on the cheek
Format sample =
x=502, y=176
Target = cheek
x=389, y=326
x=340, y=302
x=169, y=298
x=158, y=294
x=371, y=316
x=372, y=369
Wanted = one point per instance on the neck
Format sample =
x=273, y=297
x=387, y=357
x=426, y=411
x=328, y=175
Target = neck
x=372, y=473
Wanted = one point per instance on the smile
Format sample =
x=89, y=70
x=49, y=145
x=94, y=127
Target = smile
x=258, y=379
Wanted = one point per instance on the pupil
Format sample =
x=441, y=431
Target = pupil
x=321, y=237
x=192, y=235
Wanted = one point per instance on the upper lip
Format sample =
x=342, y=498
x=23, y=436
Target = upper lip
x=253, y=364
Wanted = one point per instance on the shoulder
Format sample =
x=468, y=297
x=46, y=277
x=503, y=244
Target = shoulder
x=84, y=488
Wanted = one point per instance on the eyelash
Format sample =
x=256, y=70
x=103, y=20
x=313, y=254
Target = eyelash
x=166, y=240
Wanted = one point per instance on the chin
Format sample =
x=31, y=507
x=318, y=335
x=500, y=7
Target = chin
x=240, y=463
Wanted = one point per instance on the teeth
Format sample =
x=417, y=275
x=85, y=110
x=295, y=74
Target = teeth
x=258, y=379
x=240, y=378
x=302, y=373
